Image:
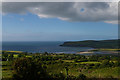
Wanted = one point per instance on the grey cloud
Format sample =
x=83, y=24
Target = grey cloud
x=69, y=11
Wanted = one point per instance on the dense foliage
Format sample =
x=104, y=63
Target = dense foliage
x=28, y=69
x=37, y=66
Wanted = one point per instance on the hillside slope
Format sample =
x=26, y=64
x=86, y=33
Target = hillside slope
x=92, y=43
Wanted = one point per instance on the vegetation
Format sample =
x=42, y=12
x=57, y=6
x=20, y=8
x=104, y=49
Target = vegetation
x=93, y=44
x=37, y=66
x=105, y=49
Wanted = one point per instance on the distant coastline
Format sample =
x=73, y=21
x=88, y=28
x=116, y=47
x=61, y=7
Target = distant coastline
x=41, y=47
x=100, y=51
x=93, y=44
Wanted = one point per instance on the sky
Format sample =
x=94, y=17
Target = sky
x=59, y=21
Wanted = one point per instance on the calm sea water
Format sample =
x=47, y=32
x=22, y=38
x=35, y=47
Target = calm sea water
x=51, y=47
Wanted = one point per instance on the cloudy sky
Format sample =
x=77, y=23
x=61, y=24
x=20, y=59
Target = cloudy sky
x=59, y=21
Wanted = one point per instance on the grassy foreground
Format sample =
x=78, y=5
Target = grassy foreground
x=93, y=66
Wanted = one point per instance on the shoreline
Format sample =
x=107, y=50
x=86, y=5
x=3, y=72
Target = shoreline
x=89, y=51
x=100, y=51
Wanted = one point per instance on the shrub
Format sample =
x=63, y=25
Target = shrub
x=81, y=77
x=28, y=69
x=59, y=76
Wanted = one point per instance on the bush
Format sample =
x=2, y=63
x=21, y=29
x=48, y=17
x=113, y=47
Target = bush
x=105, y=63
x=28, y=69
x=96, y=65
x=81, y=77
x=59, y=76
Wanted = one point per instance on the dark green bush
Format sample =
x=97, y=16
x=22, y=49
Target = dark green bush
x=81, y=77
x=28, y=69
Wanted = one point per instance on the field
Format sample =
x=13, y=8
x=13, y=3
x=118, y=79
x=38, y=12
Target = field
x=96, y=66
x=73, y=70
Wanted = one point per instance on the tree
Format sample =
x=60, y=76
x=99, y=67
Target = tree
x=46, y=53
x=20, y=55
x=66, y=68
x=105, y=63
x=11, y=56
x=59, y=76
x=81, y=77
x=76, y=60
x=5, y=56
x=117, y=64
x=28, y=69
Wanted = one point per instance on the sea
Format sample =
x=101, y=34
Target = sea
x=41, y=47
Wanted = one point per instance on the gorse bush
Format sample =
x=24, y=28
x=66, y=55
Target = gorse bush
x=28, y=69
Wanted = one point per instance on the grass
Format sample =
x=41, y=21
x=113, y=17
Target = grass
x=56, y=67
x=68, y=60
x=90, y=62
x=28, y=56
x=7, y=73
x=15, y=55
x=6, y=69
x=103, y=72
x=105, y=49
x=6, y=63
x=73, y=70
x=14, y=51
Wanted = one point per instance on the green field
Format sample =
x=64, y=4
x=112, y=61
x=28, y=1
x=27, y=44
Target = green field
x=96, y=66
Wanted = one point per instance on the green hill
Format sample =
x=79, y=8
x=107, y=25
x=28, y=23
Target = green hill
x=93, y=43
